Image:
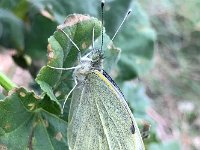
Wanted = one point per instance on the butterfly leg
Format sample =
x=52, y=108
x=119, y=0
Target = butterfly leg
x=62, y=110
x=68, y=95
x=93, y=38
x=71, y=68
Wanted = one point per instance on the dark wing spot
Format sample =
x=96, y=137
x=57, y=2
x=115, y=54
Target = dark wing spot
x=133, y=129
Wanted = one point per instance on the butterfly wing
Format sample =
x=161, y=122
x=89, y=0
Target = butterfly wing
x=99, y=117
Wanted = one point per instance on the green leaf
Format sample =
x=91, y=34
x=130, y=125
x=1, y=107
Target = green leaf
x=40, y=28
x=136, y=39
x=62, y=53
x=25, y=123
x=18, y=7
x=12, y=35
x=137, y=98
x=56, y=10
x=2, y=96
x=171, y=144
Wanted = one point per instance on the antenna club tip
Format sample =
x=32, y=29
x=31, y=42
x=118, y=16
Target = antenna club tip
x=129, y=11
x=102, y=2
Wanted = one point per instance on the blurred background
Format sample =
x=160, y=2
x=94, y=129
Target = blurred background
x=158, y=69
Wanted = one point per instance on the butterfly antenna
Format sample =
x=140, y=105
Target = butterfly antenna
x=125, y=17
x=93, y=37
x=79, y=51
x=102, y=6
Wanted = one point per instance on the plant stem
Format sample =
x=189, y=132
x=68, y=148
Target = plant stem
x=6, y=83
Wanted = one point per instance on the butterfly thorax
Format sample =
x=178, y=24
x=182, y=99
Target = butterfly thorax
x=88, y=63
x=97, y=59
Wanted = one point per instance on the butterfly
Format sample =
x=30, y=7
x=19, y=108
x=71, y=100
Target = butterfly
x=99, y=117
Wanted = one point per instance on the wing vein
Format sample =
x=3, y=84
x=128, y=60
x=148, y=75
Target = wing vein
x=116, y=127
x=107, y=137
x=104, y=129
x=80, y=100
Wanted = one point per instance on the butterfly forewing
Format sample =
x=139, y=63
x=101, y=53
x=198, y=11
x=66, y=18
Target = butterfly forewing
x=98, y=117
x=84, y=122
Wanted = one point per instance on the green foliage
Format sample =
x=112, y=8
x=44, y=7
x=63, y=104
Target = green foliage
x=43, y=16
x=138, y=45
x=175, y=79
x=62, y=53
x=11, y=27
x=136, y=96
x=178, y=31
x=172, y=145
x=29, y=121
